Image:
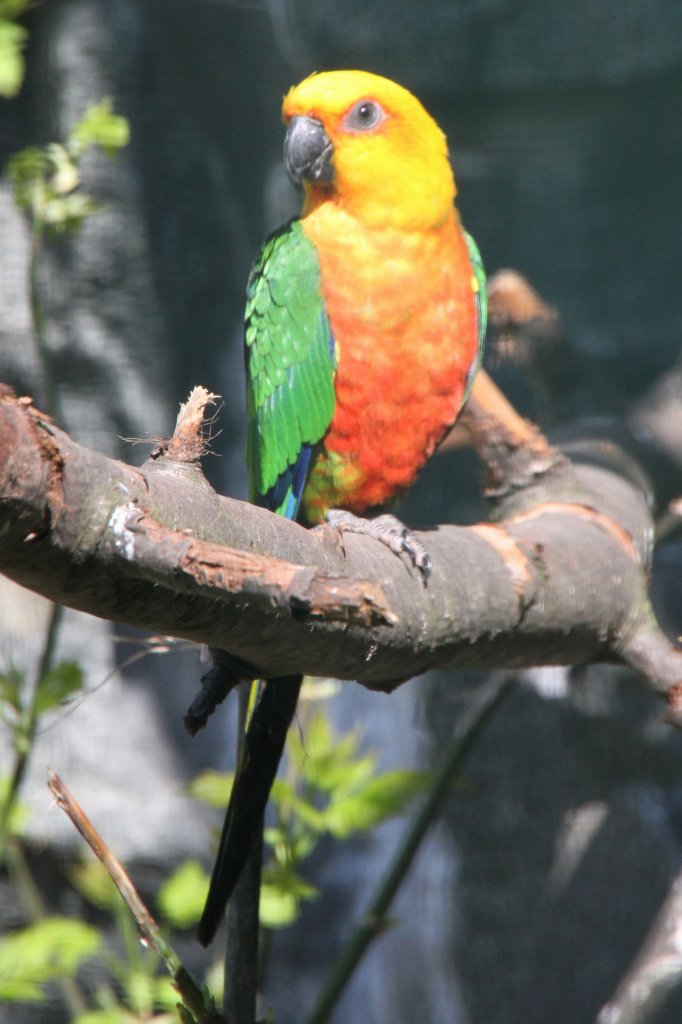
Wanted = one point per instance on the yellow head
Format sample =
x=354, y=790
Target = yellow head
x=384, y=159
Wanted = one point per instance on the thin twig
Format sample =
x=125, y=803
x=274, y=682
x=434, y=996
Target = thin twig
x=373, y=921
x=200, y=1006
x=28, y=725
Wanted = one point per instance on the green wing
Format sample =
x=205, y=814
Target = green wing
x=289, y=368
x=290, y=404
x=481, y=307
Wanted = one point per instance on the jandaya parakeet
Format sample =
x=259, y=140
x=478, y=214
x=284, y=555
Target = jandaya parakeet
x=365, y=322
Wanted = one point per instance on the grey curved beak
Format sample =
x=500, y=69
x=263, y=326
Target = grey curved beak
x=308, y=152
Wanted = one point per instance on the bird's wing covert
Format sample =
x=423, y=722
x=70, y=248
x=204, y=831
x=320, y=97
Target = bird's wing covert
x=289, y=368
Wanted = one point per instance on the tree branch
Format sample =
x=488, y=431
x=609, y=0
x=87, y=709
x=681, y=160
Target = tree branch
x=558, y=577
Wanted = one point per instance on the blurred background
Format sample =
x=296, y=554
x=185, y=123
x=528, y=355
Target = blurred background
x=556, y=849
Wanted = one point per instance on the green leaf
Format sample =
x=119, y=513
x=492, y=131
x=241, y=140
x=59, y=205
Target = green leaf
x=286, y=847
x=308, y=814
x=282, y=792
x=165, y=995
x=277, y=909
x=328, y=762
x=181, y=898
x=19, y=814
x=379, y=799
x=33, y=956
x=27, y=171
x=93, y=881
x=13, y=39
x=318, y=739
x=99, y=126
x=11, y=685
x=214, y=980
x=337, y=773
x=67, y=213
x=64, y=176
x=45, y=183
x=280, y=896
x=57, y=684
x=212, y=788
x=139, y=989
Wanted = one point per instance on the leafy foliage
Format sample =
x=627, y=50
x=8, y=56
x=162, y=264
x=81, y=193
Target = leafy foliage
x=181, y=898
x=331, y=788
x=52, y=948
x=58, y=684
x=212, y=788
x=46, y=180
x=20, y=710
x=99, y=126
x=143, y=990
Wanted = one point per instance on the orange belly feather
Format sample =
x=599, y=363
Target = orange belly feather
x=402, y=309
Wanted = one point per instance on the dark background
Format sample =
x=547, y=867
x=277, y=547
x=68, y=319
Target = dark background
x=565, y=126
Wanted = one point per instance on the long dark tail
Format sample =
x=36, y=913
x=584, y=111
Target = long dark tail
x=261, y=753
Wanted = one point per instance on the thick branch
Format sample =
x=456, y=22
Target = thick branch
x=559, y=578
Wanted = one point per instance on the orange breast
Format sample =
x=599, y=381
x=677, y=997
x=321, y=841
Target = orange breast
x=403, y=313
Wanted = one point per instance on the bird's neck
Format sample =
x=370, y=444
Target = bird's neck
x=425, y=212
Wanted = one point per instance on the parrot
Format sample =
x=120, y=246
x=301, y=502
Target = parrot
x=365, y=322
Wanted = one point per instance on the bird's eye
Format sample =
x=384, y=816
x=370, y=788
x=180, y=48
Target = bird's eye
x=364, y=116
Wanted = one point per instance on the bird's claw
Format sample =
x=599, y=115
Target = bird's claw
x=387, y=529
x=421, y=559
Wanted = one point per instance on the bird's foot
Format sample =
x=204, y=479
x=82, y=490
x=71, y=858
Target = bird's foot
x=387, y=529
x=215, y=686
x=225, y=673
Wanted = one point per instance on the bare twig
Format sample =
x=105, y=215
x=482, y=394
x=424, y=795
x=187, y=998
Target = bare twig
x=199, y=1005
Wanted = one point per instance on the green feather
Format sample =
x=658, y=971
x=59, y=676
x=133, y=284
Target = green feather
x=481, y=307
x=289, y=361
